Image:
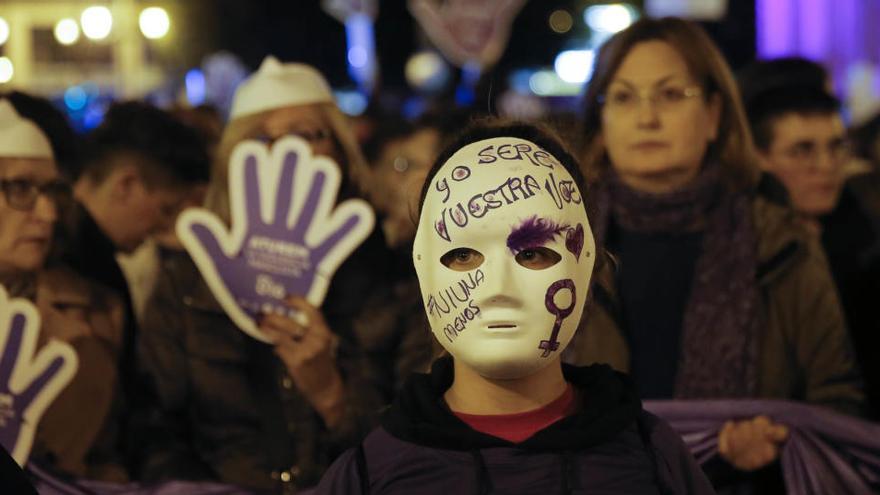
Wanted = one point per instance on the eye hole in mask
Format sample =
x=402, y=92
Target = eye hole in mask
x=462, y=259
x=537, y=258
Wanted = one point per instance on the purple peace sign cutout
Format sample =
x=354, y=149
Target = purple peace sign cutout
x=286, y=237
x=28, y=384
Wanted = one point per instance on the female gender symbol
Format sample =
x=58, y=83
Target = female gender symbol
x=561, y=313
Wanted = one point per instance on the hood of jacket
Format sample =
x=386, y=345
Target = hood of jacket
x=607, y=404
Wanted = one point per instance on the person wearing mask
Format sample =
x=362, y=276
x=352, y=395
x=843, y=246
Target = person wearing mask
x=235, y=409
x=394, y=331
x=715, y=292
x=77, y=434
x=504, y=254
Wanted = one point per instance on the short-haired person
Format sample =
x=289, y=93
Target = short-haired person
x=137, y=168
x=803, y=142
x=717, y=292
x=269, y=417
x=504, y=254
x=77, y=433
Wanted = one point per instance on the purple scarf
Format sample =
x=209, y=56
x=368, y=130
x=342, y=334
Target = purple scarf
x=721, y=323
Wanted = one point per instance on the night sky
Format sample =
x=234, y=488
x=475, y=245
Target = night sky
x=299, y=30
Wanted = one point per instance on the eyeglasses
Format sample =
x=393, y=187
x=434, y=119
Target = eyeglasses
x=311, y=136
x=664, y=99
x=22, y=194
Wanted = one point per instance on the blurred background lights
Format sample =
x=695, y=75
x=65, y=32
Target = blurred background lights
x=574, y=66
x=519, y=80
x=67, y=31
x=548, y=83
x=75, y=98
x=154, y=22
x=560, y=21
x=351, y=102
x=427, y=71
x=195, y=87
x=4, y=30
x=357, y=56
x=542, y=83
x=93, y=116
x=609, y=18
x=6, y=70
x=97, y=21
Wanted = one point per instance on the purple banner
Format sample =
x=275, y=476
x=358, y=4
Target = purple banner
x=826, y=452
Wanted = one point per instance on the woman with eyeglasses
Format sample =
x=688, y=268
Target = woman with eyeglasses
x=269, y=417
x=713, y=291
x=77, y=433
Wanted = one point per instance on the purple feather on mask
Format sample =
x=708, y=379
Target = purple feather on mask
x=533, y=232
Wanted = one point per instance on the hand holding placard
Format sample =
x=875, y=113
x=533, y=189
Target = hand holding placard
x=28, y=383
x=286, y=238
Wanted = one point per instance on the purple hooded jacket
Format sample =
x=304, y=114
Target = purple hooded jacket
x=610, y=446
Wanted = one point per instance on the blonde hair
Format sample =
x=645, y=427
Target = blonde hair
x=354, y=166
x=734, y=148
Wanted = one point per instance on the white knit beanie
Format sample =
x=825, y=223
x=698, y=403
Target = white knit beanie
x=19, y=137
x=277, y=85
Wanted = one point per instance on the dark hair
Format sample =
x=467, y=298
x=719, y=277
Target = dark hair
x=172, y=153
x=389, y=128
x=865, y=136
x=493, y=127
x=766, y=75
x=733, y=149
x=448, y=122
x=764, y=109
x=66, y=145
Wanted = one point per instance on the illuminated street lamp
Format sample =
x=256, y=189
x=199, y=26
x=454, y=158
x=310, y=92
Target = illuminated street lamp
x=154, y=22
x=6, y=70
x=66, y=31
x=4, y=30
x=609, y=18
x=97, y=21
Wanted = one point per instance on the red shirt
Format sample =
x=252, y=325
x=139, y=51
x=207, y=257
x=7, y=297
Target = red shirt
x=520, y=426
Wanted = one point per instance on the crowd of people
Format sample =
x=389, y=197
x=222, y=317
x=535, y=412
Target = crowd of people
x=719, y=238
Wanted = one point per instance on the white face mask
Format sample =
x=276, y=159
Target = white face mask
x=498, y=213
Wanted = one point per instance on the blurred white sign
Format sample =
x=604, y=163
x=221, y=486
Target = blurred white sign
x=467, y=31
x=704, y=10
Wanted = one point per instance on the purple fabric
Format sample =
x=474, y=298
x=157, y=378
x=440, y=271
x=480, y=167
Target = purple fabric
x=721, y=321
x=826, y=452
x=48, y=484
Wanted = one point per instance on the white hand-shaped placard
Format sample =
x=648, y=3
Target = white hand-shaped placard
x=28, y=383
x=286, y=238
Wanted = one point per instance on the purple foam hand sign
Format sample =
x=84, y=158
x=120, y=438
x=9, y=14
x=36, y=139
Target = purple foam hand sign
x=28, y=383
x=286, y=237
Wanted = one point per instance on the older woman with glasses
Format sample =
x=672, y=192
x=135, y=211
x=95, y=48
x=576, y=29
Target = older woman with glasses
x=76, y=433
x=711, y=291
